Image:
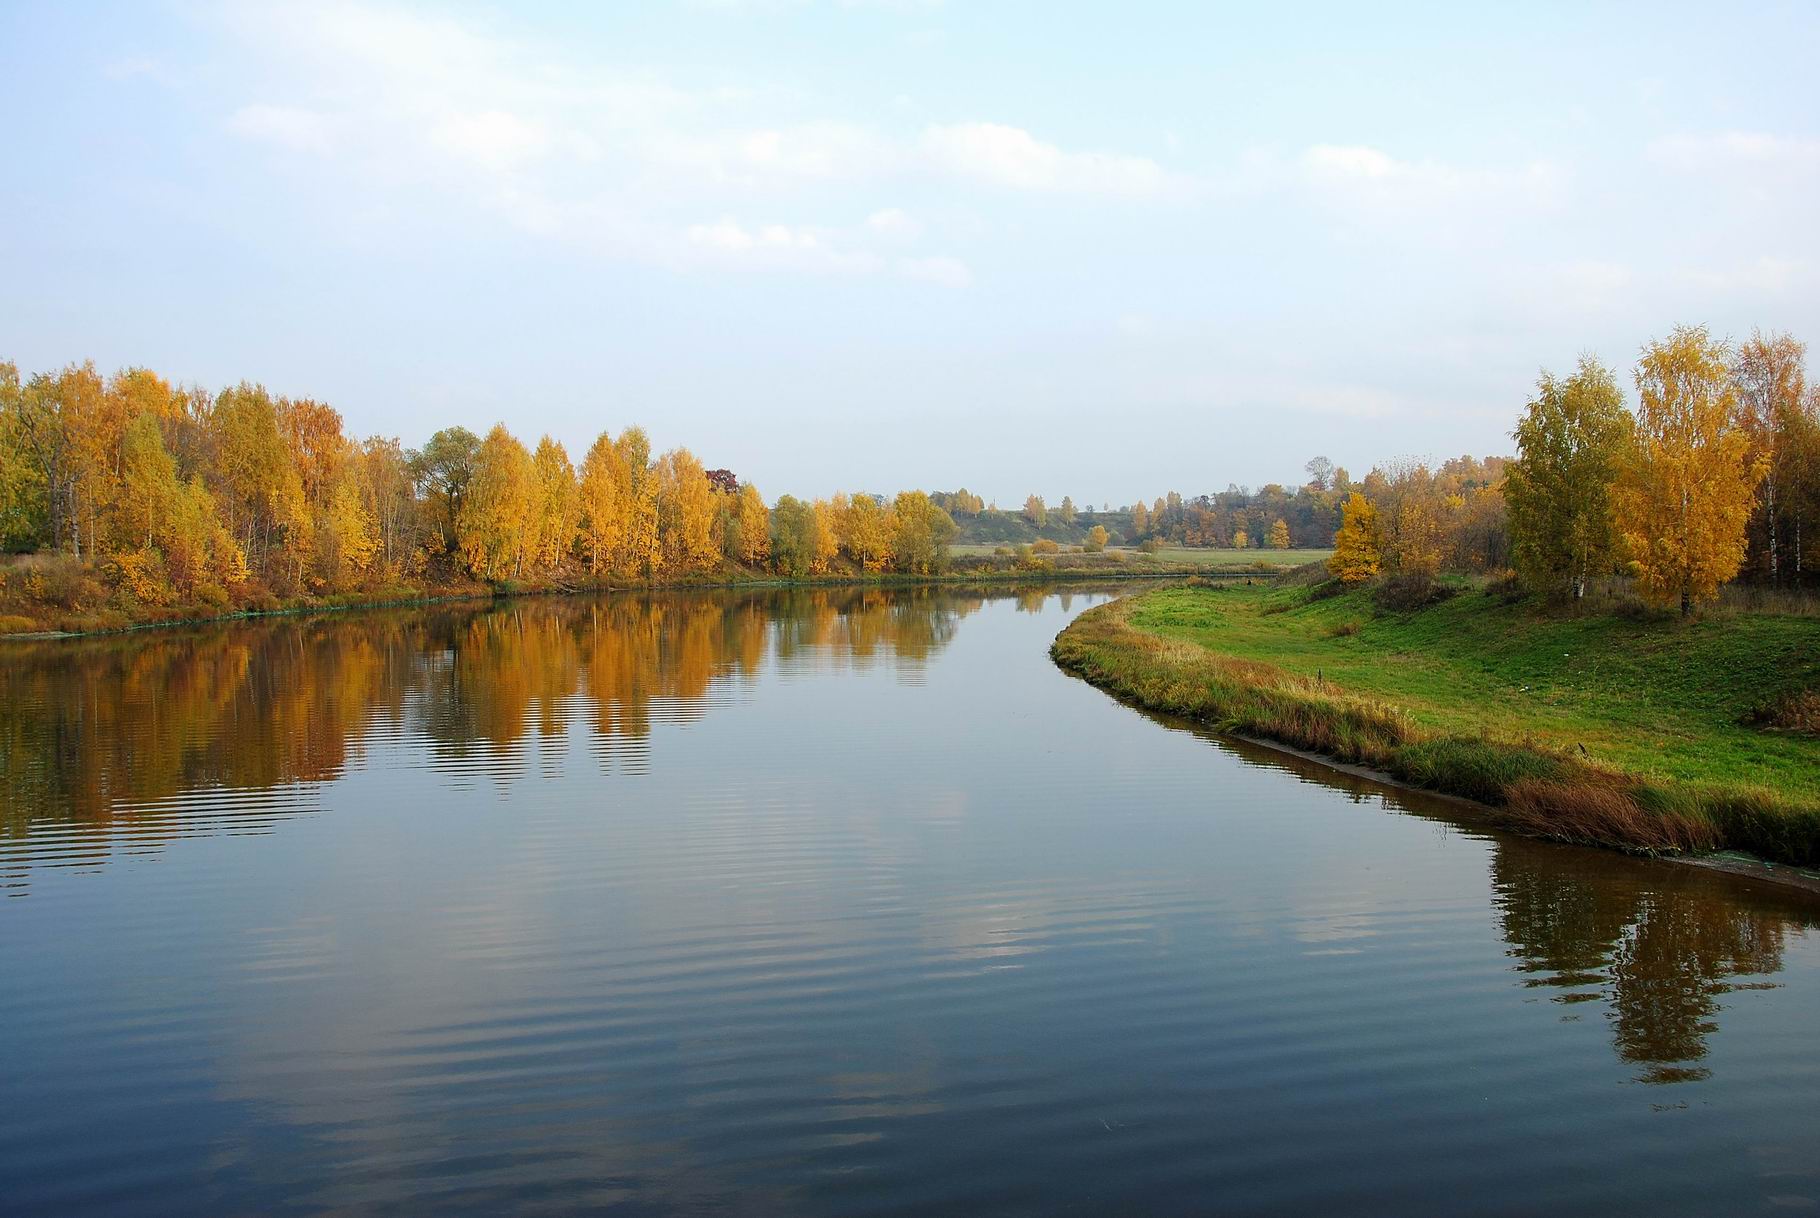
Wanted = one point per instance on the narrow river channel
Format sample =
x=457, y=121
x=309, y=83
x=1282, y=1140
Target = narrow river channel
x=822, y=903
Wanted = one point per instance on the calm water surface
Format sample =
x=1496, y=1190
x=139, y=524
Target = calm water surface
x=829, y=903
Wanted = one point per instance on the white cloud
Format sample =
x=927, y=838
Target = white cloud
x=1732, y=149
x=492, y=139
x=1366, y=178
x=949, y=272
x=1011, y=156
x=894, y=222
x=288, y=127
x=728, y=243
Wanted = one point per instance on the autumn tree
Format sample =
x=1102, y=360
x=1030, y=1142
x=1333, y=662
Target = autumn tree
x=498, y=508
x=148, y=479
x=557, y=513
x=350, y=537
x=388, y=492
x=1065, y=513
x=793, y=530
x=685, y=512
x=604, y=500
x=1686, y=487
x=1240, y=539
x=1571, y=438
x=1140, y=520
x=1355, y=547
x=1097, y=537
x=1035, y=511
x=1279, y=534
x=1769, y=374
x=827, y=536
x=753, y=528
x=262, y=490
x=644, y=549
x=920, y=534
x=865, y=531
x=443, y=467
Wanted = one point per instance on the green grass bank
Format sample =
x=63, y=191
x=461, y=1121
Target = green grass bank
x=1642, y=733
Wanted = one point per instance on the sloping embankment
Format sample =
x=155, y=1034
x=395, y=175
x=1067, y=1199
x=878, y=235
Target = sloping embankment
x=1529, y=788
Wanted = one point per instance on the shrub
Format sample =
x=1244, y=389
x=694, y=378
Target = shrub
x=1798, y=711
x=13, y=623
x=1344, y=630
x=212, y=595
x=1411, y=590
x=1150, y=545
x=1507, y=588
x=1043, y=545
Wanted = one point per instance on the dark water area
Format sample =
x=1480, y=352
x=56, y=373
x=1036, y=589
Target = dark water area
x=822, y=903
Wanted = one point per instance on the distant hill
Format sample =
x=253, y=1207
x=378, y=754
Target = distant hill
x=1011, y=528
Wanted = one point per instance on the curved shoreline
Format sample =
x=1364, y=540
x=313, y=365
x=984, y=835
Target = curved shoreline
x=989, y=578
x=1077, y=658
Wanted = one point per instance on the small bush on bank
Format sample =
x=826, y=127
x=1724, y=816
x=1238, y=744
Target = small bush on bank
x=13, y=623
x=1506, y=588
x=1409, y=591
x=1797, y=712
x=1345, y=630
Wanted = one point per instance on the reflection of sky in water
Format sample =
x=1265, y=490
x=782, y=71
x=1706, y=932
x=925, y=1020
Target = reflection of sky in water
x=821, y=903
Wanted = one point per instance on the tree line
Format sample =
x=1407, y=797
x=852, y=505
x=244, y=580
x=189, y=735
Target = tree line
x=1714, y=473
x=180, y=495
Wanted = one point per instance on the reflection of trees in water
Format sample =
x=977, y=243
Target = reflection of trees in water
x=1659, y=945
x=94, y=731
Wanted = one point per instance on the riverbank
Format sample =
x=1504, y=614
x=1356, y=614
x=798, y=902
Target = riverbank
x=1596, y=729
x=24, y=617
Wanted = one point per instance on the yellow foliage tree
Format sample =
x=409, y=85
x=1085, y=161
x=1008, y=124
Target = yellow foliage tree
x=498, y=509
x=1240, y=539
x=1279, y=534
x=605, y=504
x=1355, y=546
x=644, y=553
x=1686, y=489
x=754, y=527
x=685, y=512
x=352, y=539
x=920, y=533
x=827, y=536
x=558, y=511
x=865, y=532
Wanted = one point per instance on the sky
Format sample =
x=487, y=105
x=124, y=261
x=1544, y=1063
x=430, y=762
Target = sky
x=1097, y=250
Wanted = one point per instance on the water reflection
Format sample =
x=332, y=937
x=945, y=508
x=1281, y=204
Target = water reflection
x=94, y=732
x=1652, y=942
x=820, y=902
x=1657, y=943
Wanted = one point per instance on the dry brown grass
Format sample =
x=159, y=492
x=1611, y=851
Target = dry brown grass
x=1596, y=814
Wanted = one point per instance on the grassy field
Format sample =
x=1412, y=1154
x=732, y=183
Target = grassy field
x=1618, y=729
x=1177, y=556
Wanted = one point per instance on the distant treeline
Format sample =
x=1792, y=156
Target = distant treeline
x=169, y=495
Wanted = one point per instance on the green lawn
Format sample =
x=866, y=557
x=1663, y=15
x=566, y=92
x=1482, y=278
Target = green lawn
x=1177, y=555
x=1660, y=699
x=1233, y=558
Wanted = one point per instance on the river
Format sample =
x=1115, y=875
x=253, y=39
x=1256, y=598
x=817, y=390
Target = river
x=828, y=902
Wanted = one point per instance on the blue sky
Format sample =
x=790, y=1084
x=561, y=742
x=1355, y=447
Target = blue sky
x=1096, y=250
